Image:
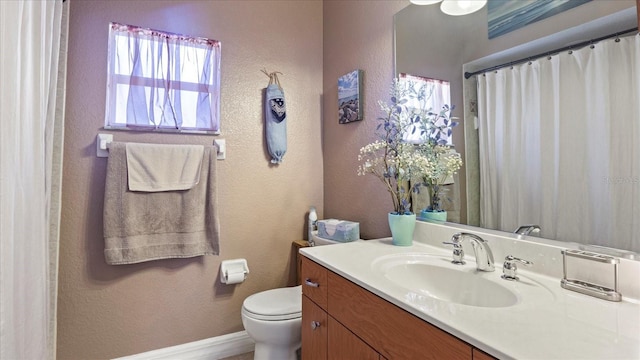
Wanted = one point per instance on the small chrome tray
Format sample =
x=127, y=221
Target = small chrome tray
x=587, y=288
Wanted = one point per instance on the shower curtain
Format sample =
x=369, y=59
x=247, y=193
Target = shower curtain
x=30, y=159
x=560, y=145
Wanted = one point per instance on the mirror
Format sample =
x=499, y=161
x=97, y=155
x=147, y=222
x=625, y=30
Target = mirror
x=431, y=44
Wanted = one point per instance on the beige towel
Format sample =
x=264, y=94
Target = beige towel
x=162, y=167
x=143, y=226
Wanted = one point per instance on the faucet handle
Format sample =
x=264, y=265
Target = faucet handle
x=458, y=252
x=510, y=269
x=527, y=229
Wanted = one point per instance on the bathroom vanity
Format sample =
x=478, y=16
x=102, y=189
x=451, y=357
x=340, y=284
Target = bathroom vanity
x=342, y=320
x=373, y=300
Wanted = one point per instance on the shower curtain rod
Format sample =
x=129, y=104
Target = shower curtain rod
x=548, y=53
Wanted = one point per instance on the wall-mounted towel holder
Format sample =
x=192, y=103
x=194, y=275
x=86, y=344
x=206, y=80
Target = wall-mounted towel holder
x=103, y=141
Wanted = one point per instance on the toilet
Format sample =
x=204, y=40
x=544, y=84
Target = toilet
x=273, y=319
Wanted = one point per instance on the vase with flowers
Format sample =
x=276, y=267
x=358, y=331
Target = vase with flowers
x=446, y=162
x=443, y=160
x=396, y=161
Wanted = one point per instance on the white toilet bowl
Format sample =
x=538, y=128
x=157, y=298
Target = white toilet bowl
x=273, y=319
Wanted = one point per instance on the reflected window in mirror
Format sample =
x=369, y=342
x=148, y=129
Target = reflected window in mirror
x=438, y=98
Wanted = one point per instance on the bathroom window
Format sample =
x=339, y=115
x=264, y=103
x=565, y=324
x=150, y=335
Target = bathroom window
x=162, y=81
x=439, y=95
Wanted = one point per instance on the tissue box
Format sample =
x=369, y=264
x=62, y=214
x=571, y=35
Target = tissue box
x=339, y=230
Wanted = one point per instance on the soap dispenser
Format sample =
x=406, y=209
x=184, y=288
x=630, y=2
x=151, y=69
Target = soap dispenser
x=313, y=222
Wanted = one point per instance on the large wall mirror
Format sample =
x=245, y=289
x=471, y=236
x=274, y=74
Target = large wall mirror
x=431, y=44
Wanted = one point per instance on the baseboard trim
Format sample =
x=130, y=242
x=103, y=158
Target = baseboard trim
x=214, y=348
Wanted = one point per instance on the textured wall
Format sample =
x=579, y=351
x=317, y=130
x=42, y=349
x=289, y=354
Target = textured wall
x=357, y=35
x=108, y=311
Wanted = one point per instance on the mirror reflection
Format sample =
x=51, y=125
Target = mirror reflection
x=566, y=163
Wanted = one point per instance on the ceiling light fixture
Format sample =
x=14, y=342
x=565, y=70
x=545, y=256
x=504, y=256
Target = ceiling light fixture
x=454, y=7
x=424, y=2
x=461, y=7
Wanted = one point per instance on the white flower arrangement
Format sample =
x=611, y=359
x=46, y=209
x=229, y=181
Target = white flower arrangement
x=402, y=166
x=445, y=163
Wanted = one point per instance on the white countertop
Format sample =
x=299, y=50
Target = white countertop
x=566, y=325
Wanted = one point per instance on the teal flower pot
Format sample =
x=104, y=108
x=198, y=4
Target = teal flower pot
x=433, y=215
x=402, y=227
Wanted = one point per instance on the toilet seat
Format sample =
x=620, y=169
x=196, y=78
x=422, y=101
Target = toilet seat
x=275, y=304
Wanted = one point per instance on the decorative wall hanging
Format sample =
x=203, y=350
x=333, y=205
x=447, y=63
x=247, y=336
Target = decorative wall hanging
x=350, y=97
x=275, y=114
x=506, y=16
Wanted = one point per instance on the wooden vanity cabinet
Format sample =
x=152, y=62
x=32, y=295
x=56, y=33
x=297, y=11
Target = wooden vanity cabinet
x=315, y=334
x=480, y=355
x=324, y=337
x=357, y=324
x=343, y=344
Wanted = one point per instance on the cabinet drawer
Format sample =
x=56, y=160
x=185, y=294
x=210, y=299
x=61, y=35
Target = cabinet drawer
x=314, y=331
x=314, y=282
x=390, y=330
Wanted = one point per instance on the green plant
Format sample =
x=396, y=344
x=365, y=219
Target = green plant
x=397, y=162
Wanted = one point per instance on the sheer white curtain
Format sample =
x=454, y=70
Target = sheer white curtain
x=560, y=145
x=162, y=80
x=30, y=42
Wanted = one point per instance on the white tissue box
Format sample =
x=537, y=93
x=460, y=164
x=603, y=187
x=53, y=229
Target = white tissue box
x=339, y=230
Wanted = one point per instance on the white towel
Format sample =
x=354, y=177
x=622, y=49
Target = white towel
x=162, y=167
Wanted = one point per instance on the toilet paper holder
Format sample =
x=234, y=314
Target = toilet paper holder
x=233, y=271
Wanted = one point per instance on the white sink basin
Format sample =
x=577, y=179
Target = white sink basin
x=436, y=277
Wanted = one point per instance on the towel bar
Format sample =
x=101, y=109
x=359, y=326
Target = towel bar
x=104, y=140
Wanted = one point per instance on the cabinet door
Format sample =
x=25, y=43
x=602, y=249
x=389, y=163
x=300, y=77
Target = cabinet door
x=343, y=344
x=314, y=331
x=391, y=331
x=314, y=282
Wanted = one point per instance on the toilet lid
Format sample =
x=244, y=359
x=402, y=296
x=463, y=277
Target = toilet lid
x=275, y=304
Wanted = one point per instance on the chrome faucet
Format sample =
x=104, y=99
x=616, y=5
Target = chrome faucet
x=510, y=269
x=527, y=229
x=484, y=256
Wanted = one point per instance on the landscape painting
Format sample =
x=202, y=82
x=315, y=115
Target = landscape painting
x=350, y=97
x=506, y=15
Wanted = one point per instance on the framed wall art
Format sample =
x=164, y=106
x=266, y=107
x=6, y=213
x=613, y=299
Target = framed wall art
x=350, y=97
x=507, y=15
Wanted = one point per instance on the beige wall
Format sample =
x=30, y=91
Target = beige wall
x=357, y=35
x=108, y=311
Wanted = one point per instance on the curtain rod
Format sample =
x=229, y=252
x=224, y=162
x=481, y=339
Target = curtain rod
x=547, y=53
